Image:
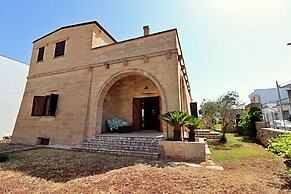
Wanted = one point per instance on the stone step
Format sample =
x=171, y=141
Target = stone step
x=121, y=140
x=137, y=139
x=122, y=145
x=154, y=149
x=205, y=133
x=143, y=154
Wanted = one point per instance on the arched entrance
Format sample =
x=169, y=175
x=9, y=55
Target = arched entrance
x=130, y=95
x=135, y=99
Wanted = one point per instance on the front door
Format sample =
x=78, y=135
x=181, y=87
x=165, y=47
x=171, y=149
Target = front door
x=146, y=113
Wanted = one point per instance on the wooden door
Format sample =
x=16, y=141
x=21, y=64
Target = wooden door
x=151, y=113
x=136, y=113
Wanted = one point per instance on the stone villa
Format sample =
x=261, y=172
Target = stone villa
x=80, y=76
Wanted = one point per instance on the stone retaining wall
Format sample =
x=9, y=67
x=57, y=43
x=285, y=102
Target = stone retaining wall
x=265, y=134
x=183, y=151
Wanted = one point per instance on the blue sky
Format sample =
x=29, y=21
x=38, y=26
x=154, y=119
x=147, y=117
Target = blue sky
x=227, y=44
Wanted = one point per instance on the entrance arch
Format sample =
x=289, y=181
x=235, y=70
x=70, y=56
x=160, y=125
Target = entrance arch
x=116, y=84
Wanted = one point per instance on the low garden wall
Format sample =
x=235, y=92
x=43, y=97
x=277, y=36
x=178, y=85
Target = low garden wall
x=265, y=134
x=184, y=151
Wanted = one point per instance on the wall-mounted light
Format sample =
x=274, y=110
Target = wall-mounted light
x=125, y=62
x=106, y=65
x=146, y=59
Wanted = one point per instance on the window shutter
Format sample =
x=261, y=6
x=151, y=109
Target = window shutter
x=47, y=106
x=38, y=106
x=53, y=104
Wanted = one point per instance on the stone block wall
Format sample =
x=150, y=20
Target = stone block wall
x=84, y=76
x=183, y=151
x=265, y=134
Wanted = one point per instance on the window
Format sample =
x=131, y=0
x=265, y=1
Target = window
x=45, y=105
x=60, y=48
x=40, y=54
x=43, y=141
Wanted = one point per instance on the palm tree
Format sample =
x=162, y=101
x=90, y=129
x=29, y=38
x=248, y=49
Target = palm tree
x=177, y=119
x=193, y=123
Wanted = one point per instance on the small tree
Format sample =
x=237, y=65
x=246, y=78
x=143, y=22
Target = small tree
x=178, y=120
x=225, y=106
x=193, y=123
x=208, y=111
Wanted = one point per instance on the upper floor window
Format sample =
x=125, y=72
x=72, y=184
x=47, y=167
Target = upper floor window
x=60, y=48
x=40, y=54
x=45, y=105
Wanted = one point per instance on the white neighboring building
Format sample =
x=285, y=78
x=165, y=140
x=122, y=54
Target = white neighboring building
x=268, y=95
x=269, y=101
x=12, y=83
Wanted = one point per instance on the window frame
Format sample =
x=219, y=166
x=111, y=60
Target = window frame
x=45, y=106
x=38, y=54
x=58, y=45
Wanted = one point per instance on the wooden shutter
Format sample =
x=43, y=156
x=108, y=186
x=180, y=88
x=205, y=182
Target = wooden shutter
x=53, y=104
x=136, y=114
x=38, y=107
x=47, y=105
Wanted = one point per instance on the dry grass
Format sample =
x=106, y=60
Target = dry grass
x=58, y=171
x=10, y=146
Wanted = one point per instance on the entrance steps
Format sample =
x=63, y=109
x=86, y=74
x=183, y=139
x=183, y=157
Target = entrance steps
x=122, y=145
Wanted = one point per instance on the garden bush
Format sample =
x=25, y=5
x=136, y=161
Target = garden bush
x=281, y=146
x=3, y=157
x=247, y=122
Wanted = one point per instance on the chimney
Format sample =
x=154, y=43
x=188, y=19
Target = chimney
x=146, y=30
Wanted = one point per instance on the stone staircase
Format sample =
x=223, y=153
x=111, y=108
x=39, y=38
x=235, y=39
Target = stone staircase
x=122, y=145
x=206, y=133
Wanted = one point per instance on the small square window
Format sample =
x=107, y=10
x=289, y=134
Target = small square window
x=40, y=54
x=60, y=48
x=43, y=141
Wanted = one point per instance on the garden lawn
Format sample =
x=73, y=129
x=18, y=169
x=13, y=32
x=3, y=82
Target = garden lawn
x=61, y=171
x=237, y=149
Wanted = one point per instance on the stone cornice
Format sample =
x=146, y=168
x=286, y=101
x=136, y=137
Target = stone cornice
x=116, y=61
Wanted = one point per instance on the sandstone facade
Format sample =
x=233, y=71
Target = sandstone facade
x=96, y=78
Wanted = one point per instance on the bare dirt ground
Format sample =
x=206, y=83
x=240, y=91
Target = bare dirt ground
x=59, y=171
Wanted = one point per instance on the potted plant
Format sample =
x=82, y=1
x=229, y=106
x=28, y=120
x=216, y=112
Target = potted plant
x=176, y=119
x=193, y=123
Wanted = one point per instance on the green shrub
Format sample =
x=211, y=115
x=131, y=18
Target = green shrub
x=281, y=146
x=247, y=122
x=3, y=157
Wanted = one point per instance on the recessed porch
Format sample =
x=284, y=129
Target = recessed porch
x=134, y=99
